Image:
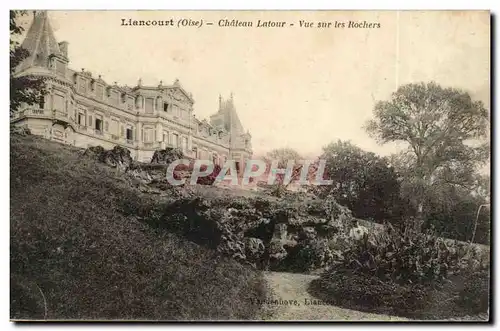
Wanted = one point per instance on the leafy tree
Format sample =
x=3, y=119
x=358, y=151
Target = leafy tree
x=24, y=89
x=281, y=157
x=362, y=181
x=442, y=128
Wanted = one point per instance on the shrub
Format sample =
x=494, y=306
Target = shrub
x=404, y=257
x=416, y=275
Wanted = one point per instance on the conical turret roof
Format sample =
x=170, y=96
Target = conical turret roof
x=40, y=42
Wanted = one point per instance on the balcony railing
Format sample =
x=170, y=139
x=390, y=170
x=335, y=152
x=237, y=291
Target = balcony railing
x=98, y=132
x=60, y=114
x=114, y=137
x=37, y=111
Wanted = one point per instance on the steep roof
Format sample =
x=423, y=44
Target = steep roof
x=227, y=111
x=40, y=42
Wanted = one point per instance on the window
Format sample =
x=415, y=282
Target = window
x=59, y=103
x=98, y=124
x=148, y=135
x=175, y=110
x=175, y=140
x=129, y=134
x=114, y=97
x=165, y=107
x=42, y=102
x=60, y=67
x=184, y=144
x=149, y=105
x=165, y=136
x=106, y=126
x=114, y=127
x=81, y=119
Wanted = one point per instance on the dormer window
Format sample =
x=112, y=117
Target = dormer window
x=52, y=62
x=99, y=92
x=114, y=97
x=82, y=85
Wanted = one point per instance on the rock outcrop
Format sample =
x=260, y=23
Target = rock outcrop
x=118, y=157
x=269, y=234
x=167, y=156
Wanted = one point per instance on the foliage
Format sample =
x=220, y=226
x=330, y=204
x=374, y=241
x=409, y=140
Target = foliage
x=454, y=212
x=411, y=274
x=406, y=256
x=279, y=158
x=23, y=89
x=364, y=182
x=71, y=241
x=438, y=125
x=282, y=155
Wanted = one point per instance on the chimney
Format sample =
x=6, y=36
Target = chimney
x=63, y=46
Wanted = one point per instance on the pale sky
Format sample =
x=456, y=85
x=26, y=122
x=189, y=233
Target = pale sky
x=293, y=87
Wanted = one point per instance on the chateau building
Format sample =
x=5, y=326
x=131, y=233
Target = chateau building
x=83, y=110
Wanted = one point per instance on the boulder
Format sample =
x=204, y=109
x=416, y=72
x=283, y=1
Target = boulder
x=118, y=157
x=254, y=248
x=94, y=151
x=167, y=156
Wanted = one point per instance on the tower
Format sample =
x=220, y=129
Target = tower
x=45, y=53
x=53, y=116
x=228, y=119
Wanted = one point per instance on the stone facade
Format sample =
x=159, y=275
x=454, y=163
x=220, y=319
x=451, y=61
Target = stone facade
x=83, y=110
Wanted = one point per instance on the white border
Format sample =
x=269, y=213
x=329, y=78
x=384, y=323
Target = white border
x=192, y=4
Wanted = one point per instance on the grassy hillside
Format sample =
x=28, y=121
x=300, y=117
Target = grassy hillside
x=75, y=255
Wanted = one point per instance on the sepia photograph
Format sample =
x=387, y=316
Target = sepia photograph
x=250, y=165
